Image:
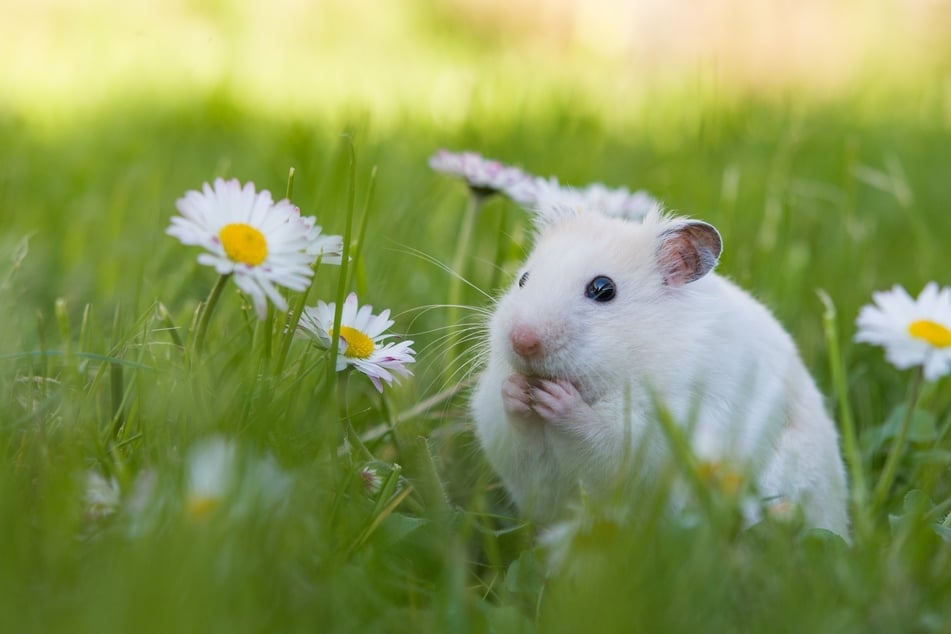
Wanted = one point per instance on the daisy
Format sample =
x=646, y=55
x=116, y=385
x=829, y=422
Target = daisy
x=912, y=331
x=328, y=248
x=372, y=480
x=484, y=176
x=211, y=475
x=101, y=495
x=375, y=474
x=247, y=235
x=620, y=202
x=144, y=505
x=264, y=486
x=551, y=200
x=361, y=340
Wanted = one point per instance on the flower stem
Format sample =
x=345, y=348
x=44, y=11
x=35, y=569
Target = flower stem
x=455, y=282
x=351, y=434
x=290, y=183
x=345, y=255
x=207, y=310
x=850, y=446
x=462, y=249
x=291, y=321
x=361, y=238
x=898, y=445
x=500, y=249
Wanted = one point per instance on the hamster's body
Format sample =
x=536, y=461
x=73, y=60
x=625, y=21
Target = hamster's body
x=610, y=317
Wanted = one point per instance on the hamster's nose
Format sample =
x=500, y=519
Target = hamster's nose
x=525, y=341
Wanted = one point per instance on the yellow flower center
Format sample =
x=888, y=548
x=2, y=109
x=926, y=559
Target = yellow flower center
x=728, y=479
x=199, y=507
x=243, y=243
x=359, y=346
x=930, y=331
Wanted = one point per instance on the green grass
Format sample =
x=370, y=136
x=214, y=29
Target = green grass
x=847, y=195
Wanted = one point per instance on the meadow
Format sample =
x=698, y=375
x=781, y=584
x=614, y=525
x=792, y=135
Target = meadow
x=347, y=509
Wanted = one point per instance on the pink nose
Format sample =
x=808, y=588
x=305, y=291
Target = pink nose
x=525, y=341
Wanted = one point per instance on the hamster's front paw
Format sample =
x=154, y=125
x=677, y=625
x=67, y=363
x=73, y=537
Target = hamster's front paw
x=517, y=397
x=558, y=402
x=554, y=401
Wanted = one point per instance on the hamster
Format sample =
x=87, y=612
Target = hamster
x=610, y=316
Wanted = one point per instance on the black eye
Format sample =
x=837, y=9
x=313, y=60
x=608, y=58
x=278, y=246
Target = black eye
x=523, y=279
x=601, y=289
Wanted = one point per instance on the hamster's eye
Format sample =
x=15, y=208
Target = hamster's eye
x=601, y=289
x=523, y=279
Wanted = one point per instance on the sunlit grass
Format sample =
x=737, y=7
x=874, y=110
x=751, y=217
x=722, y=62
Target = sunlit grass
x=449, y=61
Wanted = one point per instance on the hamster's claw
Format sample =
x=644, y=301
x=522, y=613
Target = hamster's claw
x=517, y=396
x=558, y=401
x=534, y=402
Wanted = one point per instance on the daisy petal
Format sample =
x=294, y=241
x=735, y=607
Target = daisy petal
x=362, y=340
x=262, y=243
x=914, y=332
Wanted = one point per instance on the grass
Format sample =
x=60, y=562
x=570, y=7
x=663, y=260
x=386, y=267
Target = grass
x=847, y=195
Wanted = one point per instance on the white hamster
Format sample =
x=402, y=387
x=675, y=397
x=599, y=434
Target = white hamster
x=609, y=315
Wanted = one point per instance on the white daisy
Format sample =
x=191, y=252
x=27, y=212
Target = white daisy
x=912, y=331
x=484, y=176
x=620, y=201
x=375, y=474
x=247, y=234
x=211, y=474
x=361, y=339
x=144, y=505
x=264, y=486
x=551, y=200
x=372, y=480
x=328, y=248
x=101, y=496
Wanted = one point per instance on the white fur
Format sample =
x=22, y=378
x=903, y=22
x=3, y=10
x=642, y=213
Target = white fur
x=583, y=410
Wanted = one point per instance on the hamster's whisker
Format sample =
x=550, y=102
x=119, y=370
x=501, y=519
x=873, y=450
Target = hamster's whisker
x=463, y=328
x=449, y=333
x=472, y=312
x=446, y=268
x=465, y=370
x=422, y=310
x=464, y=358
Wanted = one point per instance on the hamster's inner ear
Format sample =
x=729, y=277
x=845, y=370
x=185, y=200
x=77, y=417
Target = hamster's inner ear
x=687, y=252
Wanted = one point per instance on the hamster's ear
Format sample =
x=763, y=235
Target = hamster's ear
x=687, y=252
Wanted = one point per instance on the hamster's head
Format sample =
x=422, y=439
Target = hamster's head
x=601, y=298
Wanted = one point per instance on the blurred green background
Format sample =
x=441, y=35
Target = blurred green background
x=815, y=134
